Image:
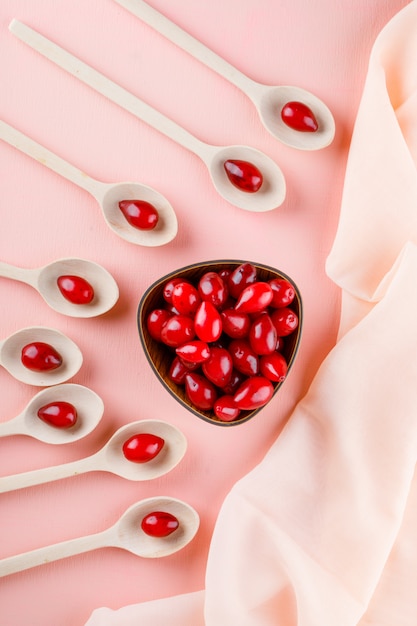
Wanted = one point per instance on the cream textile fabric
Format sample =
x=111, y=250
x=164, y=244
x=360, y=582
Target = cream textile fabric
x=327, y=522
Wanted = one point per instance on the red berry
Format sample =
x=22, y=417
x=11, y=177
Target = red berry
x=169, y=289
x=235, y=381
x=59, y=414
x=212, y=288
x=75, y=289
x=200, y=391
x=194, y=351
x=139, y=214
x=285, y=321
x=299, y=116
x=263, y=335
x=177, y=330
x=245, y=360
x=243, y=175
x=40, y=357
x=240, y=278
x=179, y=369
x=159, y=524
x=253, y=393
x=254, y=298
x=235, y=323
x=283, y=292
x=273, y=366
x=225, y=409
x=185, y=298
x=207, y=322
x=219, y=366
x=155, y=322
x=143, y=447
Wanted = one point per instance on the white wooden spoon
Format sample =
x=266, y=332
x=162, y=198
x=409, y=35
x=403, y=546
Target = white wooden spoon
x=44, y=280
x=88, y=405
x=126, y=534
x=11, y=348
x=268, y=100
x=111, y=458
x=270, y=195
x=107, y=195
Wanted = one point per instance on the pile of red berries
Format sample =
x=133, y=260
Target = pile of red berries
x=226, y=333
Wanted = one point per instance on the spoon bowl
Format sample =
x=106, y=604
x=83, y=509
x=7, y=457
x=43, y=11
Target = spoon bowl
x=132, y=538
x=160, y=356
x=270, y=195
x=88, y=404
x=113, y=459
x=10, y=356
x=126, y=534
x=272, y=100
x=166, y=229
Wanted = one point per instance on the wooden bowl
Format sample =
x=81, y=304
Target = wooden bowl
x=160, y=356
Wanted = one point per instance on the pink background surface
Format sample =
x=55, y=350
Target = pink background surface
x=321, y=45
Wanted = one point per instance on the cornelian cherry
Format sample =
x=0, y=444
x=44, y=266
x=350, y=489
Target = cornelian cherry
x=244, y=358
x=218, y=367
x=177, y=330
x=235, y=323
x=159, y=524
x=185, y=298
x=142, y=447
x=254, y=298
x=200, y=391
x=75, y=289
x=243, y=175
x=285, y=321
x=212, y=288
x=40, y=357
x=139, y=214
x=225, y=409
x=155, y=322
x=253, y=393
x=207, y=322
x=273, y=366
x=263, y=335
x=196, y=351
x=283, y=292
x=244, y=275
x=58, y=414
x=299, y=116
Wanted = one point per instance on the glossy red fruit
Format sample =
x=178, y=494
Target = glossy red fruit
x=169, y=289
x=283, y=292
x=263, y=335
x=253, y=393
x=139, y=214
x=75, y=289
x=155, y=322
x=159, y=524
x=240, y=278
x=219, y=367
x=177, y=330
x=200, y=391
x=273, y=366
x=196, y=351
x=235, y=323
x=142, y=447
x=299, y=116
x=40, y=357
x=225, y=409
x=185, y=298
x=254, y=298
x=178, y=370
x=58, y=414
x=212, y=288
x=285, y=321
x=207, y=322
x=243, y=175
x=245, y=360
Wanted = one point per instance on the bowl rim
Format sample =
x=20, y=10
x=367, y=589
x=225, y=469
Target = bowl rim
x=206, y=264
